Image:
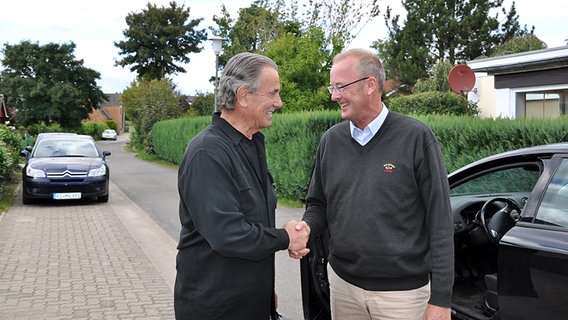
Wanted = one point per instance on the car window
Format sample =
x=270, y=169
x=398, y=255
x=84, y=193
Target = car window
x=507, y=180
x=63, y=148
x=554, y=207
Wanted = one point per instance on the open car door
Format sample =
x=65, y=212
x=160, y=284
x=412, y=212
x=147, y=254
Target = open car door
x=315, y=286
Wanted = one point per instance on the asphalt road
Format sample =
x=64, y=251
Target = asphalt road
x=153, y=188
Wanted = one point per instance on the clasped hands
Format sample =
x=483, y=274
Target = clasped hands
x=299, y=234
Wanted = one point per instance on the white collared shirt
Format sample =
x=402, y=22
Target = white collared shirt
x=365, y=135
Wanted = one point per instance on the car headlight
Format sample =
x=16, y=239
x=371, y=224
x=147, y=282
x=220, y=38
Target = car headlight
x=34, y=173
x=97, y=172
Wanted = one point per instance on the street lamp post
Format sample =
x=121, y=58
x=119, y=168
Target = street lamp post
x=217, y=47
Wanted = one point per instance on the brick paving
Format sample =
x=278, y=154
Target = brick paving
x=76, y=261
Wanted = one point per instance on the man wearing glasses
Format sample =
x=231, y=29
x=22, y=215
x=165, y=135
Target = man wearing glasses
x=380, y=186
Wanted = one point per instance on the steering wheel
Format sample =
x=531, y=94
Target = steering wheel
x=498, y=223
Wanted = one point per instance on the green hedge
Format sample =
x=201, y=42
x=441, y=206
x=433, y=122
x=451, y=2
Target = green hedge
x=292, y=140
x=464, y=139
x=10, y=147
x=433, y=102
x=170, y=137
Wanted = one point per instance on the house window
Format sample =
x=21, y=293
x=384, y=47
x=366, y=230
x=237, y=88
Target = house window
x=543, y=105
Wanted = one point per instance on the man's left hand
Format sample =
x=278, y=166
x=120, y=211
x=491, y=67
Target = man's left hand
x=437, y=313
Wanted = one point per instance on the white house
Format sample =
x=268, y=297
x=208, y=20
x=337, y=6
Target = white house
x=531, y=84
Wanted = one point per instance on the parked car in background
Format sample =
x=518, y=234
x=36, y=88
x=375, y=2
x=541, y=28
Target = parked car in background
x=65, y=166
x=109, y=134
x=511, y=240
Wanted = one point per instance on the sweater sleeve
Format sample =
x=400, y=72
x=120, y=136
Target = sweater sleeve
x=316, y=203
x=214, y=204
x=435, y=196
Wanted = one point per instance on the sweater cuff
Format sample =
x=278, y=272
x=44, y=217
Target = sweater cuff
x=283, y=239
x=441, y=299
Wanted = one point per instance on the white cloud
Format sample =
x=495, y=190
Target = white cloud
x=94, y=26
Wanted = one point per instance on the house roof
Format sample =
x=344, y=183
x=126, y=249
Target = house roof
x=544, y=59
x=113, y=100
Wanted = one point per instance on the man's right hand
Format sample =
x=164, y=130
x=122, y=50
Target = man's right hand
x=299, y=234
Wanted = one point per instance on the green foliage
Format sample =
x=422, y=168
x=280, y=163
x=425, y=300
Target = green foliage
x=93, y=129
x=292, y=140
x=9, y=156
x=266, y=21
x=148, y=102
x=46, y=84
x=203, y=103
x=433, y=102
x=466, y=139
x=172, y=136
x=438, y=80
x=36, y=128
x=157, y=38
x=291, y=144
x=519, y=44
x=448, y=30
x=304, y=70
x=111, y=124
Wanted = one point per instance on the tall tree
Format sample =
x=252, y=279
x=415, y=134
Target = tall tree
x=147, y=102
x=267, y=20
x=444, y=30
x=47, y=84
x=254, y=27
x=157, y=39
x=519, y=44
x=342, y=20
x=303, y=67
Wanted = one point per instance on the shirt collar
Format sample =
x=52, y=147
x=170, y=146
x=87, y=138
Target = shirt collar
x=235, y=135
x=374, y=126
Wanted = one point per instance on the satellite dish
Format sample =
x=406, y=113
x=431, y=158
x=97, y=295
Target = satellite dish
x=461, y=79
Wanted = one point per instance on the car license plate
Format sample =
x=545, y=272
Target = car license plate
x=67, y=195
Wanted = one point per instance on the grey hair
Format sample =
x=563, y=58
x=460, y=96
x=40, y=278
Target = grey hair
x=241, y=70
x=368, y=64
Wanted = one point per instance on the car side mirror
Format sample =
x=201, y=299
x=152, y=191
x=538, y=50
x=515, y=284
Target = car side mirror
x=106, y=154
x=25, y=153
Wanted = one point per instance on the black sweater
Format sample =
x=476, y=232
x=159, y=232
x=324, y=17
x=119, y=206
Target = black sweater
x=387, y=208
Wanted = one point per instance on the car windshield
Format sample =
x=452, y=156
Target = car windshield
x=48, y=148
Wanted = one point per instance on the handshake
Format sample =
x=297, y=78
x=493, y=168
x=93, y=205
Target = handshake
x=299, y=234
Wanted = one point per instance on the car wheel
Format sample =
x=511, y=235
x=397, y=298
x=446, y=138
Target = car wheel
x=103, y=198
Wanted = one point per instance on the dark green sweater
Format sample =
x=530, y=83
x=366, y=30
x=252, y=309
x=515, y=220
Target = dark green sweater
x=387, y=208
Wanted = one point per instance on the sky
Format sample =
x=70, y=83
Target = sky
x=94, y=26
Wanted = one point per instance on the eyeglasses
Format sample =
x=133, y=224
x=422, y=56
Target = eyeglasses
x=340, y=88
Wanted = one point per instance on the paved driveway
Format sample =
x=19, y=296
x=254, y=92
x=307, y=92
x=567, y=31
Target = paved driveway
x=115, y=260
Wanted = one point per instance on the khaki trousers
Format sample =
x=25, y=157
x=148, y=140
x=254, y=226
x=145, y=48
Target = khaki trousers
x=349, y=302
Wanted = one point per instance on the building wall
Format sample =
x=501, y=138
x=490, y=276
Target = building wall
x=115, y=113
x=113, y=108
x=485, y=95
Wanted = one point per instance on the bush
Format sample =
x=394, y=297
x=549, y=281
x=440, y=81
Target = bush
x=93, y=129
x=9, y=155
x=171, y=137
x=433, y=102
x=111, y=124
x=292, y=140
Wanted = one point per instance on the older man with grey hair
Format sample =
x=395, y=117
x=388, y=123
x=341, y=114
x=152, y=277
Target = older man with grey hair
x=225, y=262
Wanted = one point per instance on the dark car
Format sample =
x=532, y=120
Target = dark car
x=63, y=167
x=511, y=240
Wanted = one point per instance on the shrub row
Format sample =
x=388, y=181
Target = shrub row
x=10, y=148
x=292, y=140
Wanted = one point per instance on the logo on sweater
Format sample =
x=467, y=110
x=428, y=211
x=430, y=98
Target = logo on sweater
x=389, y=167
